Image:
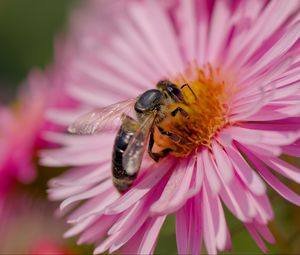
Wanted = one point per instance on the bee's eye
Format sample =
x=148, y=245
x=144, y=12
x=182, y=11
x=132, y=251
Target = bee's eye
x=175, y=92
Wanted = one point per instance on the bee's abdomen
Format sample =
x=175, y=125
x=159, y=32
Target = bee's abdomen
x=121, y=179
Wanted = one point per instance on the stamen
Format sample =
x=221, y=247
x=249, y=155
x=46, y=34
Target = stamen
x=206, y=104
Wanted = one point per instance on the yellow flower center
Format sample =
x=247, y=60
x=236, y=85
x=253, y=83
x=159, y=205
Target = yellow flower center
x=206, y=103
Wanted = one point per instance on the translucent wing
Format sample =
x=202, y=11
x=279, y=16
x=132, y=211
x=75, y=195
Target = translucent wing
x=133, y=155
x=101, y=118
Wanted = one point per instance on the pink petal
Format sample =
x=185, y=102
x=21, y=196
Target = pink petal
x=284, y=168
x=90, y=97
x=182, y=193
x=129, y=214
x=162, y=49
x=262, y=78
x=87, y=208
x=87, y=194
x=104, y=245
x=234, y=195
x=149, y=239
x=266, y=150
x=131, y=227
x=292, y=150
x=146, y=183
x=272, y=16
x=108, y=197
x=203, y=7
x=82, y=176
x=81, y=226
x=197, y=178
x=210, y=171
x=265, y=232
x=53, y=162
x=263, y=208
x=189, y=227
x=223, y=163
x=97, y=231
x=220, y=27
x=278, y=49
x=105, y=76
x=59, y=193
x=221, y=234
x=123, y=48
x=208, y=224
x=188, y=27
x=271, y=179
x=141, y=46
x=124, y=68
x=256, y=237
x=250, y=136
x=71, y=140
x=195, y=226
x=284, y=125
x=182, y=228
x=176, y=189
x=247, y=175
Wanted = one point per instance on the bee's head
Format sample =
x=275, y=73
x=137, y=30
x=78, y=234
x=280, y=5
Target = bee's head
x=170, y=90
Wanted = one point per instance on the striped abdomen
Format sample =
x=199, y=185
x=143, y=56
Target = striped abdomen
x=121, y=179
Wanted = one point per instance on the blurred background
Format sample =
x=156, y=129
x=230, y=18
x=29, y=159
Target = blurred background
x=27, y=32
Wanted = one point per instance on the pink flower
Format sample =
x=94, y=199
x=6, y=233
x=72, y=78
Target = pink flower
x=242, y=61
x=21, y=125
x=44, y=247
x=19, y=129
x=27, y=226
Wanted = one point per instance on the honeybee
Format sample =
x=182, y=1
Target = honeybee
x=150, y=108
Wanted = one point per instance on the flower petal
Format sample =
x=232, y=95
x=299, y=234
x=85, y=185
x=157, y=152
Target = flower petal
x=223, y=163
x=210, y=171
x=146, y=183
x=271, y=179
x=247, y=175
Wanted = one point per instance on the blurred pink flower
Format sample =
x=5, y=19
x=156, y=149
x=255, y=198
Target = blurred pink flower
x=27, y=226
x=21, y=125
x=247, y=54
x=19, y=129
x=46, y=247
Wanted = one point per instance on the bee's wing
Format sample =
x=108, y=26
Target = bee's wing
x=133, y=155
x=101, y=118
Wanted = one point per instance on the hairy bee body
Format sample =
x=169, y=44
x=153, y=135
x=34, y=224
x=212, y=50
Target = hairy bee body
x=150, y=109
x=121, y=179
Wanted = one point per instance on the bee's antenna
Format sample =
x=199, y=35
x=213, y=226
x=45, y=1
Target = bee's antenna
x=187, y=85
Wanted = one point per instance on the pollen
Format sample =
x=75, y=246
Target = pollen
x=206, y=104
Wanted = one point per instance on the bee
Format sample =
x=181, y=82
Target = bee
x=150, y=108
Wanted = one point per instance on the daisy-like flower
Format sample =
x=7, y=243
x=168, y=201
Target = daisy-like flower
x=19, y=129
x=241, y=60
x=21, y=125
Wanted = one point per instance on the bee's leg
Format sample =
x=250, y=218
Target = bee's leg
x=179, y=109
x=169, y=134
x=150, y=146
x=187, y=85
x=161, y=154
x=156, y=156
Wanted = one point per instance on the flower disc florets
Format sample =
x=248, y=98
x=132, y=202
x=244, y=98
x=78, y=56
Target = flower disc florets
x=206, y=103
